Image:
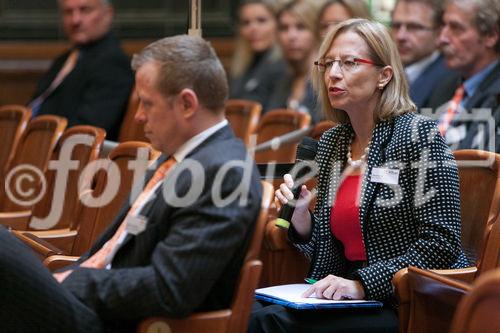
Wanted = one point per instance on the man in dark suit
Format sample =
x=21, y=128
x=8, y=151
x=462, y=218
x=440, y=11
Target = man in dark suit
x=175, y=248
x=469, y=108
x=90, y=83
x=415, y=29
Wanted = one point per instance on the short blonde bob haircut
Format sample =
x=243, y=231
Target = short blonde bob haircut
x=394, y=99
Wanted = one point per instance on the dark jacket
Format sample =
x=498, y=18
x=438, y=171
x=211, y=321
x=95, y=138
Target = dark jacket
x=259, y=80
x=480, y=130
x=96, y=91
x=416, y=222
x=426, y=83
x=188, y=258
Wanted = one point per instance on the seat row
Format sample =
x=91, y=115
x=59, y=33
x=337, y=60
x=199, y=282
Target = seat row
x=278, y=262
x=425, y=307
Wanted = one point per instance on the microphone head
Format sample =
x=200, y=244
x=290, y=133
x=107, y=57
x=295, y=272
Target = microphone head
x=307, y=148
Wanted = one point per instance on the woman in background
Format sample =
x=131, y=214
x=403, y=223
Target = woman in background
x=257, y=63
x=298, y=40
x=334, y=12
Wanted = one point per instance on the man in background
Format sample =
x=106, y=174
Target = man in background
x=470, y=41
x=179, y=245
x=91, y=82
x=415, y=29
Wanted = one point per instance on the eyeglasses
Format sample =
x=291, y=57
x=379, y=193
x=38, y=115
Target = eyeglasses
x=346, y=64
x=410, y=27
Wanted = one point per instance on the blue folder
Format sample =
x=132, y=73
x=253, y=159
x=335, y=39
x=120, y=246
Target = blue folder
x=288, y=296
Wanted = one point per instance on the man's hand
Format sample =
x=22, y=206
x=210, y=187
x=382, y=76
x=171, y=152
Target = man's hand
x=336, y=288
x=60, y=277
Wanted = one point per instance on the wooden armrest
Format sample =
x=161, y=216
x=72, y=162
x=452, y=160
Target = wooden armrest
x=460, y=274
x=213, y=321
x=60, y=238
x=403, y=292
x=40, y=246
x=56, y=233
x=56, y=262
x=402, y=289
x=16, y=220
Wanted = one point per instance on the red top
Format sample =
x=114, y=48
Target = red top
x=344, y=219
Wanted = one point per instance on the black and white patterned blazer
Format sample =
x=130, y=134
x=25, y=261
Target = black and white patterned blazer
x=416, y=222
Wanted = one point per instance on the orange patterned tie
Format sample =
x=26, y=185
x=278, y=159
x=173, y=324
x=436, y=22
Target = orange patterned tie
x=452, y=110
x=101, y=258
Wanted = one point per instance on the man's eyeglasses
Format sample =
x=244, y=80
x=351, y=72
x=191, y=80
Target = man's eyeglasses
x=346, y=64
x=410, y=27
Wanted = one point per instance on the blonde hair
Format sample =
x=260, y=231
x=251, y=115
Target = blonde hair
x=394, y=99
x=243, y=54
x=356, y=8
x=305, y=10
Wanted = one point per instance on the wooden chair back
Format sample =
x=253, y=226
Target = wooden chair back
x=479, y=311
x=35, y=149
x=235, y=319
x=130, y=130
x=275, y=123
x=85, y=142
x=243, y=116
x=94, y=220
x=13, y=121
x=321, y=128
x=479, y=173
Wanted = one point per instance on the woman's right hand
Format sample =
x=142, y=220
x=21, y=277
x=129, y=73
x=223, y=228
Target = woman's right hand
x=301, y=218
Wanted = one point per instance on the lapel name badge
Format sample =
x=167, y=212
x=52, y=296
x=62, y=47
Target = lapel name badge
x=385, y=176
x=136, y=224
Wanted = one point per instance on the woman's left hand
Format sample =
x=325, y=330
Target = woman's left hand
x=336, y=288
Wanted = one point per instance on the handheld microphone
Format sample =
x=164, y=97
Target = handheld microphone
x=306, y=152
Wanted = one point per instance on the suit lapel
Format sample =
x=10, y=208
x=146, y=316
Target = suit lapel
x=148, y=207
x=335, y=165
x=484, y=89
x=376, y=157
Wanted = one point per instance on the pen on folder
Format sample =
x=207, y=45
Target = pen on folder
x=310, y=281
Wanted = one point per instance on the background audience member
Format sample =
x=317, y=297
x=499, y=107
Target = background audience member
x=335, y=11
x=470, y=41
x=188, y=255
x=415, y=28
x=365, y=228
x=257, y=65
x=90, y=83
x=298, y=40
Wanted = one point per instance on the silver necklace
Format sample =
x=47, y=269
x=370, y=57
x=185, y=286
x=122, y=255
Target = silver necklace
x=362, y=159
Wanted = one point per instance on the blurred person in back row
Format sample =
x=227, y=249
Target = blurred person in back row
x=299, y=42
x=90, y=83
x=334, y=12
x=468, y=107
x=257, y=65
x=415, y=28
x=388, y=192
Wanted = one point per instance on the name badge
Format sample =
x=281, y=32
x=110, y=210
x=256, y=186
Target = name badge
x=385, y=176
x=136, y=224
